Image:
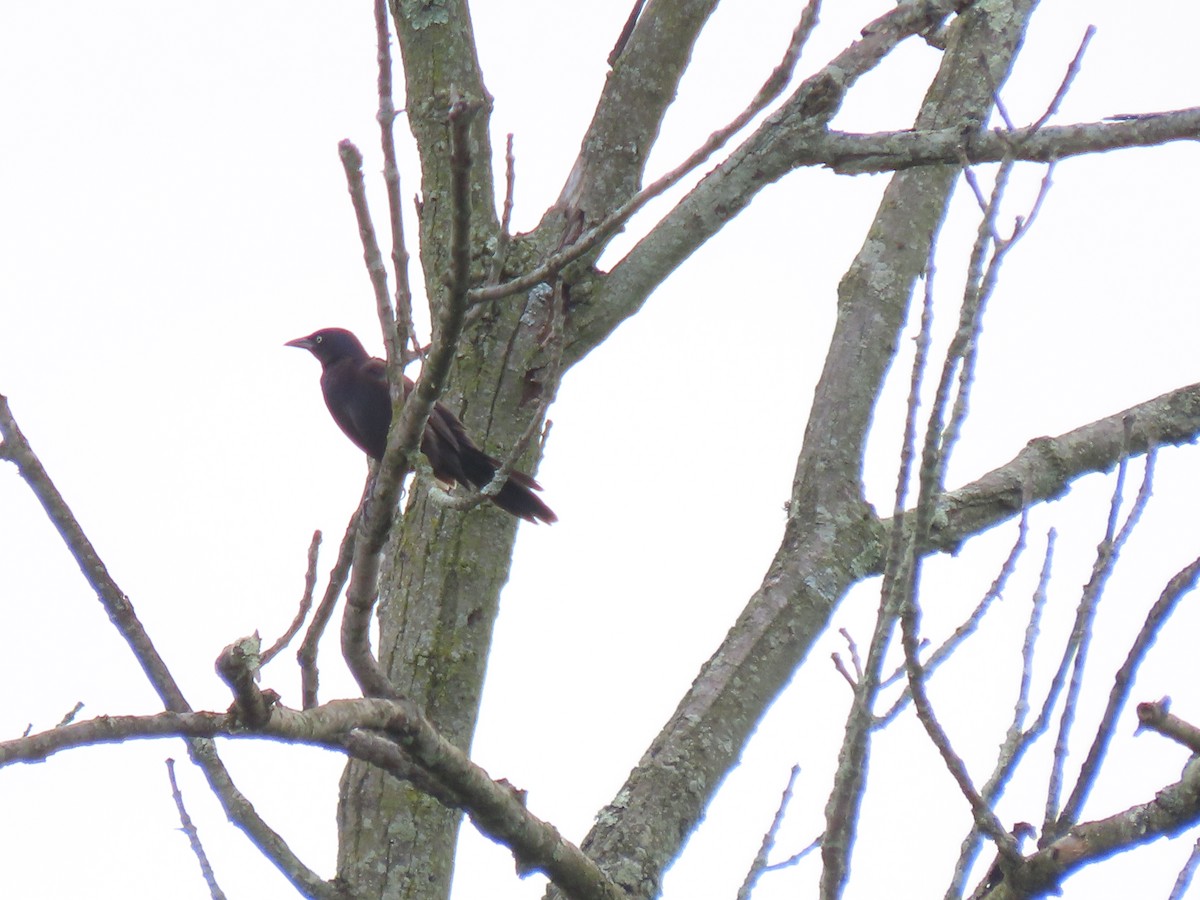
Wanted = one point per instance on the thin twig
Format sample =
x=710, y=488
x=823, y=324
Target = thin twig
x=112, y=598
x=193, y=836
x=969, y=626
x=852, y=649
x=352, y=162
x=1032, y=629
x=1107, y=554
x=1023, y=223
x=1016, y=741
x=1184, y=879
x=402, y=333
x=504, y=238
x=759, y=865
x=944, y=426
x=1183, y=582
x=71, y=714
x=843, y=671
x=1068, y=78
x=306, y=656
x=984, y=817
x=814, y=844
x=845, y=800
x=306, y=599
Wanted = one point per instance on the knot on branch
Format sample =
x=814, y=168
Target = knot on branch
x=238, y=667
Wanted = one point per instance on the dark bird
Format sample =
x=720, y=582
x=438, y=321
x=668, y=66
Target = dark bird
x=356, y=392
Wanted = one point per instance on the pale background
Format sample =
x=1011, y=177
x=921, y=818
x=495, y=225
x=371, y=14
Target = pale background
x=172, y=210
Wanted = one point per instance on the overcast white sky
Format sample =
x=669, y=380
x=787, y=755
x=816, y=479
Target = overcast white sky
x=172, y=210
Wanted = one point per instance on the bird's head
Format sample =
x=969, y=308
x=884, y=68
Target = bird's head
x=330, y=345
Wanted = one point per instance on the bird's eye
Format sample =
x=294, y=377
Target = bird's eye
x=318, y=339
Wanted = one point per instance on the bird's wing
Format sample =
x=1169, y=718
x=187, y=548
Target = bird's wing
x=374, y=371
x=357, y=396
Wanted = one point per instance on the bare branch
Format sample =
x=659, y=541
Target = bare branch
x=193, y=836
x=901, y=594
x=655, y=51
x=407, y=428
x=969, y=626
x=599, y=233
x=71, y=714
x=306, y=599
x=757, y=162
x=779, y=148
x=814, y=844
x=398, y=334
x=1068, y=78
x=949, y=411
x=759, y=866
x=856, y=154
x=1079, y=643
x=1157, y=717
x=120, y=612
x=902, y=567
x=1184, y=879
x=497, y=810
x=352, y=161
x=1182, y=583
x=984, y=817
x=1172, y=810
x=112, y=598
x=1047, y=466
x=307, y=654
x=504, y=238
x=1016, y=741
x=852, y=649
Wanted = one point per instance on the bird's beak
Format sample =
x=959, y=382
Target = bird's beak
x=304, y=343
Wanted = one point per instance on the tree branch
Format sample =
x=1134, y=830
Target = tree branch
x=120, y=612
x=496, y=808
x=401, y=335
x=1181, y=584
x=763, y=158
x=405, y=433
x=1174, y=809
x=306, y=656
x=830, y=532
x=856, y=154
x=654, y=51
x=1047, y=466
x=584, y=243
x=112, y=598
x=193, y=836
x=306, y=599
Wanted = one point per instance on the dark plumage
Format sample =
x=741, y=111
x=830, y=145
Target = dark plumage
x=356, y=392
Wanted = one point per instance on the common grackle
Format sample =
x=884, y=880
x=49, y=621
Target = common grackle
x=356, y=392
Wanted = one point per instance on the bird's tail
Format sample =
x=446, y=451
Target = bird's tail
x=517, y=497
